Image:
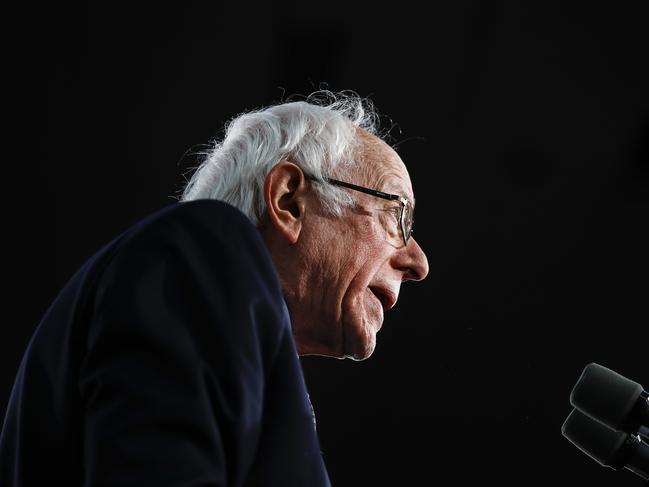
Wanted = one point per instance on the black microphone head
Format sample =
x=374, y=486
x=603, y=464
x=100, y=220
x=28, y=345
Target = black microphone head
x=605, y=395
x=602, y=444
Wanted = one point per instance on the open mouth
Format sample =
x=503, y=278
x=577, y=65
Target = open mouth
x=385, y=297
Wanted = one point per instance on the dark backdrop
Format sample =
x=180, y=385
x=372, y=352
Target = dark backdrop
x=525, y=128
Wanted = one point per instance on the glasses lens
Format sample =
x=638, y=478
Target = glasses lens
x=390, y=219
x=407, y=221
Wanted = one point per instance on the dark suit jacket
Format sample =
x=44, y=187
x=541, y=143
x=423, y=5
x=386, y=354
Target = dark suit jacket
x=166, y=360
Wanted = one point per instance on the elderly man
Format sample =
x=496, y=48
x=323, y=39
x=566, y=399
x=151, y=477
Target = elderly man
x=171, y=357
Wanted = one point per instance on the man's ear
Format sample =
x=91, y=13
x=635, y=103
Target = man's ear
x=285, y=197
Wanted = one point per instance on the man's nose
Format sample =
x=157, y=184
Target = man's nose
x=415, y=263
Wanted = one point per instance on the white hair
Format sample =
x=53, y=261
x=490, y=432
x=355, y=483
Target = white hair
x=319, y=134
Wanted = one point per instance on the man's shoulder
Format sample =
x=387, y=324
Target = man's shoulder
x=214, y=213
x=208, y=239
x=203, y=221
x=204, y=234
x=203, y=208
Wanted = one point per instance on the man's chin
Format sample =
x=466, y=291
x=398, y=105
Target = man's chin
x=364, y=320
x=362, y=347
x=359, y=358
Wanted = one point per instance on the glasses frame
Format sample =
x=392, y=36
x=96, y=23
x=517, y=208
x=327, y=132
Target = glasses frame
x=380, y=194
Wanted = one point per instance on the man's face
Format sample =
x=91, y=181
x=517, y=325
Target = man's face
x=353, y=269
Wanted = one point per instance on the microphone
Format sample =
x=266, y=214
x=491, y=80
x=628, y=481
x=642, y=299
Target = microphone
x=612, y=399
x=610, y=448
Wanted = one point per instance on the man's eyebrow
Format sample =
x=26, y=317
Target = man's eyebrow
x=394, y=188
x=403, y=194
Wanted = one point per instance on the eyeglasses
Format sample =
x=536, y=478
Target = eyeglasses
x=406, y=214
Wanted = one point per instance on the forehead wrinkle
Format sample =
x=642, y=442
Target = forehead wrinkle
x=392, y=180
x=377, y=167
x=380, y=167
x=366, y=157
x=385, y=183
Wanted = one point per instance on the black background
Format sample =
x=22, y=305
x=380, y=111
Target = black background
x=525, y=127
